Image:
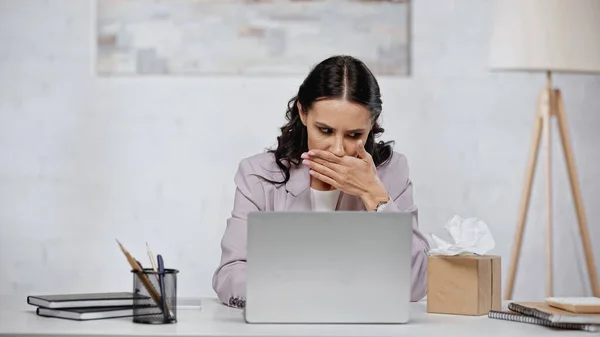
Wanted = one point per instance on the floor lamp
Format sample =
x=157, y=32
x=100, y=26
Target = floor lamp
x=548, y=36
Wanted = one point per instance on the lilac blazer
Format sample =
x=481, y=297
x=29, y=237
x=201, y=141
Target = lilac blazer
x=254, y=194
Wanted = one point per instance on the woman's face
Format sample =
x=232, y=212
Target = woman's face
x=335, y=125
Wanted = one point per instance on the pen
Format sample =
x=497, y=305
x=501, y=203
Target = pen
x=161, y=282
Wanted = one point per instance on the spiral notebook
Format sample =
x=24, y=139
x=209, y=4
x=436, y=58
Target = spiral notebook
x=555, y=315
x=518, y=317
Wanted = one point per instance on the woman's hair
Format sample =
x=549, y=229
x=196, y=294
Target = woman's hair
x=342, y=77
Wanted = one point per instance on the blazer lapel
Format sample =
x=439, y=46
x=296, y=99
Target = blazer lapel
x=298, y=198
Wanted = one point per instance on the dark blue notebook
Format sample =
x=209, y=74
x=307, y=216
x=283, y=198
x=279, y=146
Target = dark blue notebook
x=85, y=314
x=87, y=300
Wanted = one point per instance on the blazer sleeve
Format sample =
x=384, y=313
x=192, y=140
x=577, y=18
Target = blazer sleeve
x=229, y=279
x=400, y=191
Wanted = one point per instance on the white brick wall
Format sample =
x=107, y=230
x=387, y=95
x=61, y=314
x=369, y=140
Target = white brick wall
x=85, y=160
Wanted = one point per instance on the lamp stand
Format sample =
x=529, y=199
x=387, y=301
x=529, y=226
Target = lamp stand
x=550, y=108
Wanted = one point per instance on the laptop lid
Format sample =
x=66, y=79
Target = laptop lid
x=328, y=267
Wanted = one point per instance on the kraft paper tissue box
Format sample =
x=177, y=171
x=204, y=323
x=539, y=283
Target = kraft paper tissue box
x=461, y=278
x=463, y=285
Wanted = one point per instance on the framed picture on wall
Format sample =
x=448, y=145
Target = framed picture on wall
x=249, y=37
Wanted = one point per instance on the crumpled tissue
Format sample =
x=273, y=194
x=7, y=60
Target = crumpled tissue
x=470, y=236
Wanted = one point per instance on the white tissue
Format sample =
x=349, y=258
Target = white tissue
x=470, y=236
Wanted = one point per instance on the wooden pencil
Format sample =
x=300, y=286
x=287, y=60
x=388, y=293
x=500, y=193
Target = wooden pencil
x=143, y=277
x=151, y=256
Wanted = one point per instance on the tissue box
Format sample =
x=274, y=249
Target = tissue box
x=463, y=284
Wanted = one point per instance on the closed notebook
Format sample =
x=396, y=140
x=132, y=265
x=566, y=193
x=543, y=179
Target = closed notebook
x=84, y=314
x=586, y=305
x=518, y=317
x=88, y=300
x=544, y=311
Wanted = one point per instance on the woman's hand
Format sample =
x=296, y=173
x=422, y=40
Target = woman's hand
x=351, y=175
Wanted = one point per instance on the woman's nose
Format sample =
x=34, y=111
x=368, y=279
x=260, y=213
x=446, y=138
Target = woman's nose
x=338, y=147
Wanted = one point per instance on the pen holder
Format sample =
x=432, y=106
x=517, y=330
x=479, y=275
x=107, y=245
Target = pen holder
x=156, y=296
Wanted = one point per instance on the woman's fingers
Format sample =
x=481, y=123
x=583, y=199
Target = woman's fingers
x=338, y=168
x=320, y=168
x=324, y=178
x=362, y=153
x=326, y=155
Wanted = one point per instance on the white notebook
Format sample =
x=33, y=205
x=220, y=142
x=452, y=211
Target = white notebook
x=589, y=305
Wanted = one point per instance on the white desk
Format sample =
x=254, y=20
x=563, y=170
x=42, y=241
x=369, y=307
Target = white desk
x=19, y=319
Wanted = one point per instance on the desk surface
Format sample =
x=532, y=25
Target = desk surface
x=217, y=320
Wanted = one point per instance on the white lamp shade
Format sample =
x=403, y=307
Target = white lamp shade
x=546, y=35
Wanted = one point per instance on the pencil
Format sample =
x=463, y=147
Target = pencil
x=143, y=277
x=151, y=256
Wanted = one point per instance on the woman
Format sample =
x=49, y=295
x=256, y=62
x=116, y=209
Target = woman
x=326, y=159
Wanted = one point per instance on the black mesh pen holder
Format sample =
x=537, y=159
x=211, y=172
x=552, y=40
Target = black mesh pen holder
x=156, y=296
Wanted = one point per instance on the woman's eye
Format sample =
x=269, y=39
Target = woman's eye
x=355, y=135
x=325, y=130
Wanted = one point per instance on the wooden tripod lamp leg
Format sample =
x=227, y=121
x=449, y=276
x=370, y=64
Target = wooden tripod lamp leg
x=576, y=191
x=548, y=114
x=526, y=196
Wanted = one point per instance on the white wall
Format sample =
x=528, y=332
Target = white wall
x=85, y=160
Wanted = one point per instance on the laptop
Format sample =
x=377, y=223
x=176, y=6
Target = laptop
x=328, y=267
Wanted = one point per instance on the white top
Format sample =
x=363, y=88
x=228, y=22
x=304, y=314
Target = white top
x=324, y=201
x=215, y=319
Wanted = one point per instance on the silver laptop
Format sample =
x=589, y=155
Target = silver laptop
x=328, y=267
